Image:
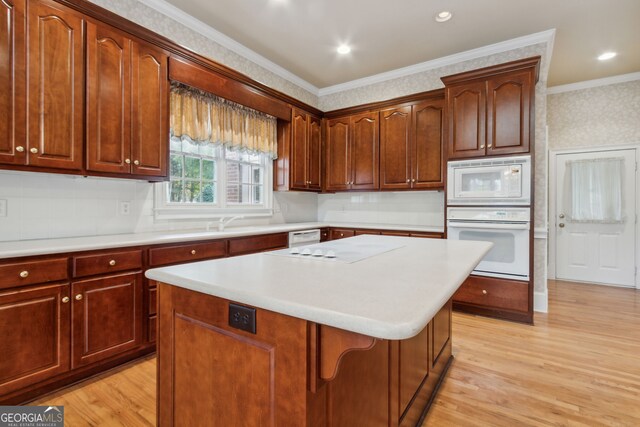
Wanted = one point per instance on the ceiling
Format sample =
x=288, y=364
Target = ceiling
x=302, y=35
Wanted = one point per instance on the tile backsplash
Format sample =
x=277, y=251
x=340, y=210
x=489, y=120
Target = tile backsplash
x=41, y=206
x=424, y=208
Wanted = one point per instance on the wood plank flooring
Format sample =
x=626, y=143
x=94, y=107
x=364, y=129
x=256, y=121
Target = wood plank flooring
x=578, y=366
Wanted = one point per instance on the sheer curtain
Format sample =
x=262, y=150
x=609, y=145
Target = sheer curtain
x=203, y=118
x=596, y=190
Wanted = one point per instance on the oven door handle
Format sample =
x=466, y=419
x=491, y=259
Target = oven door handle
x=493, y=226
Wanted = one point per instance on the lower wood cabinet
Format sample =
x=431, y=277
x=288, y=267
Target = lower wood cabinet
x=341, y=233
x=107, y=317
x=507, y=299
x=35, y=343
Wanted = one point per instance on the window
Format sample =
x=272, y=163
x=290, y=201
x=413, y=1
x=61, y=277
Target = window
x=209, y=181
x=220, y=158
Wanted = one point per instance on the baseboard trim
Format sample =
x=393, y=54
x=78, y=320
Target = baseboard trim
x=541, y=301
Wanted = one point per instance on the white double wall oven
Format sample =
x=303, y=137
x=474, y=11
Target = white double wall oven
x=490, y=200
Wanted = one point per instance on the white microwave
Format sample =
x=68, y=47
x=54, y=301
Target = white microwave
x=496, y=181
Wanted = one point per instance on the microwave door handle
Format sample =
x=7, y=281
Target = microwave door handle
x=494, y=226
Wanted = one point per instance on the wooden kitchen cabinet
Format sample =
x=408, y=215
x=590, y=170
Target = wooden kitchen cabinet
x=55, y=63
x=306, y=151
x=34, y=325
x=12, y=82
x=106, y=317
x=490, y=111
x=353, y=153
x=411, y=154
x=341, y=233
x=127, y=107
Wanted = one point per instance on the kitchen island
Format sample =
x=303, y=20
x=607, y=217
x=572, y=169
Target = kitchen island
x=277, y=339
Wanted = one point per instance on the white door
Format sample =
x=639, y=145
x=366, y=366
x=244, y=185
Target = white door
x=596, y=217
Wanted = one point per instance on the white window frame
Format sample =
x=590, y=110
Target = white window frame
x=163, y=209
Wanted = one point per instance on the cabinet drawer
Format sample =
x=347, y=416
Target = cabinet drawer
x=184, y=253
x=31, y=272
x=395, y=233
x=426, y=235
x=88, y=265
x=494, y=293
x=341, y=233
x=363, y=232
x=247, y=245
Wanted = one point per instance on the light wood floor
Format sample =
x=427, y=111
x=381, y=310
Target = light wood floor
x=578, y=366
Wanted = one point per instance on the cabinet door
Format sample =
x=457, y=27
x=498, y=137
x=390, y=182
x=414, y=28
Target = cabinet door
x=395, y=148
x=314, y=144
x=338, y=172
x=428, y=159
x=341, y=233
x=12, y=82
x=34, y=326
x=55, y=57
x=466, y=105
x=108, y=100
x=149, y=110
x=365, y=166
x=107, y=317
x=299, y=126
x=508, y=113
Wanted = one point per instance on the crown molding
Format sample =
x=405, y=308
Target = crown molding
x=209, y=32
x=622, y=78
x=547, y=36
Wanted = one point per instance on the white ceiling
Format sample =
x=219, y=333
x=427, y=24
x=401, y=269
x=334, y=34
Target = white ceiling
x=301, y=35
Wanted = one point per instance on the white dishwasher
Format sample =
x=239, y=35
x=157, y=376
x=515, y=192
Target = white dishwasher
x=304, y=237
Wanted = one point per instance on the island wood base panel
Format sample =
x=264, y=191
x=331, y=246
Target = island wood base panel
x=291, y=372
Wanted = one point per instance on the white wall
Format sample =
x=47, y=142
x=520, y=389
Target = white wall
x=425, y=208
x=41, y=206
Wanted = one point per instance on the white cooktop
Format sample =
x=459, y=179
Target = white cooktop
x=348, y=250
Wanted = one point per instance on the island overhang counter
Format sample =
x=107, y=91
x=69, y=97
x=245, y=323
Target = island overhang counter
x=279, y=339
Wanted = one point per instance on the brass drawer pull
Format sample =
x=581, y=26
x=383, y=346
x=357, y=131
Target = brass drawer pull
x=484, y=292
x=112, y=262
x=193, y=252
x=24, y=274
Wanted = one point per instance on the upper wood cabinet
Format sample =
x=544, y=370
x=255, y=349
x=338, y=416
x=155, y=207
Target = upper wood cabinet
x=352, y=158
x=127, y=104
x=411, y=146
x=306, y=151
x=490, y=111
x=55, y=63
x=12, y=82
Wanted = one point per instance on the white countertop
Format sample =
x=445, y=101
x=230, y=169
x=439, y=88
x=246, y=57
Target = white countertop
x=75, y=244
x=392, y=295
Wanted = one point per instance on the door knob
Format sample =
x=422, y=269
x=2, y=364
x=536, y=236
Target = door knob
x=561, y=225
x=561, y=216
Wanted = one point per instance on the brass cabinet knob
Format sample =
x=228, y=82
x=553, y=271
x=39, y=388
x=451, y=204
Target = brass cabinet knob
x=413, y=180
x=489, y=146
x=482, y=146
x=135, y=162
x=24, y=274
x=127, y=161
x=484, y=292
x=19, y=148
x=561, y=225
x=34, y=150
x=65, y=300
x=78, y=297
x=408, y=180
x=341, y=234
x=561, y=215
x=193, y=252
x=112, y=262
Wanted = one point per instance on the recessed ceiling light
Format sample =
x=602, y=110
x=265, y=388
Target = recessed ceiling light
x=444, y=16
x=343, y=49
x=607, y=55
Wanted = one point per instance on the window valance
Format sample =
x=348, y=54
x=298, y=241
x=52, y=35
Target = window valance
x=203, y=118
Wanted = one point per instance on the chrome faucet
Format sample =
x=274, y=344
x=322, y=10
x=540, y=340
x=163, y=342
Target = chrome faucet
x=224, y=222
